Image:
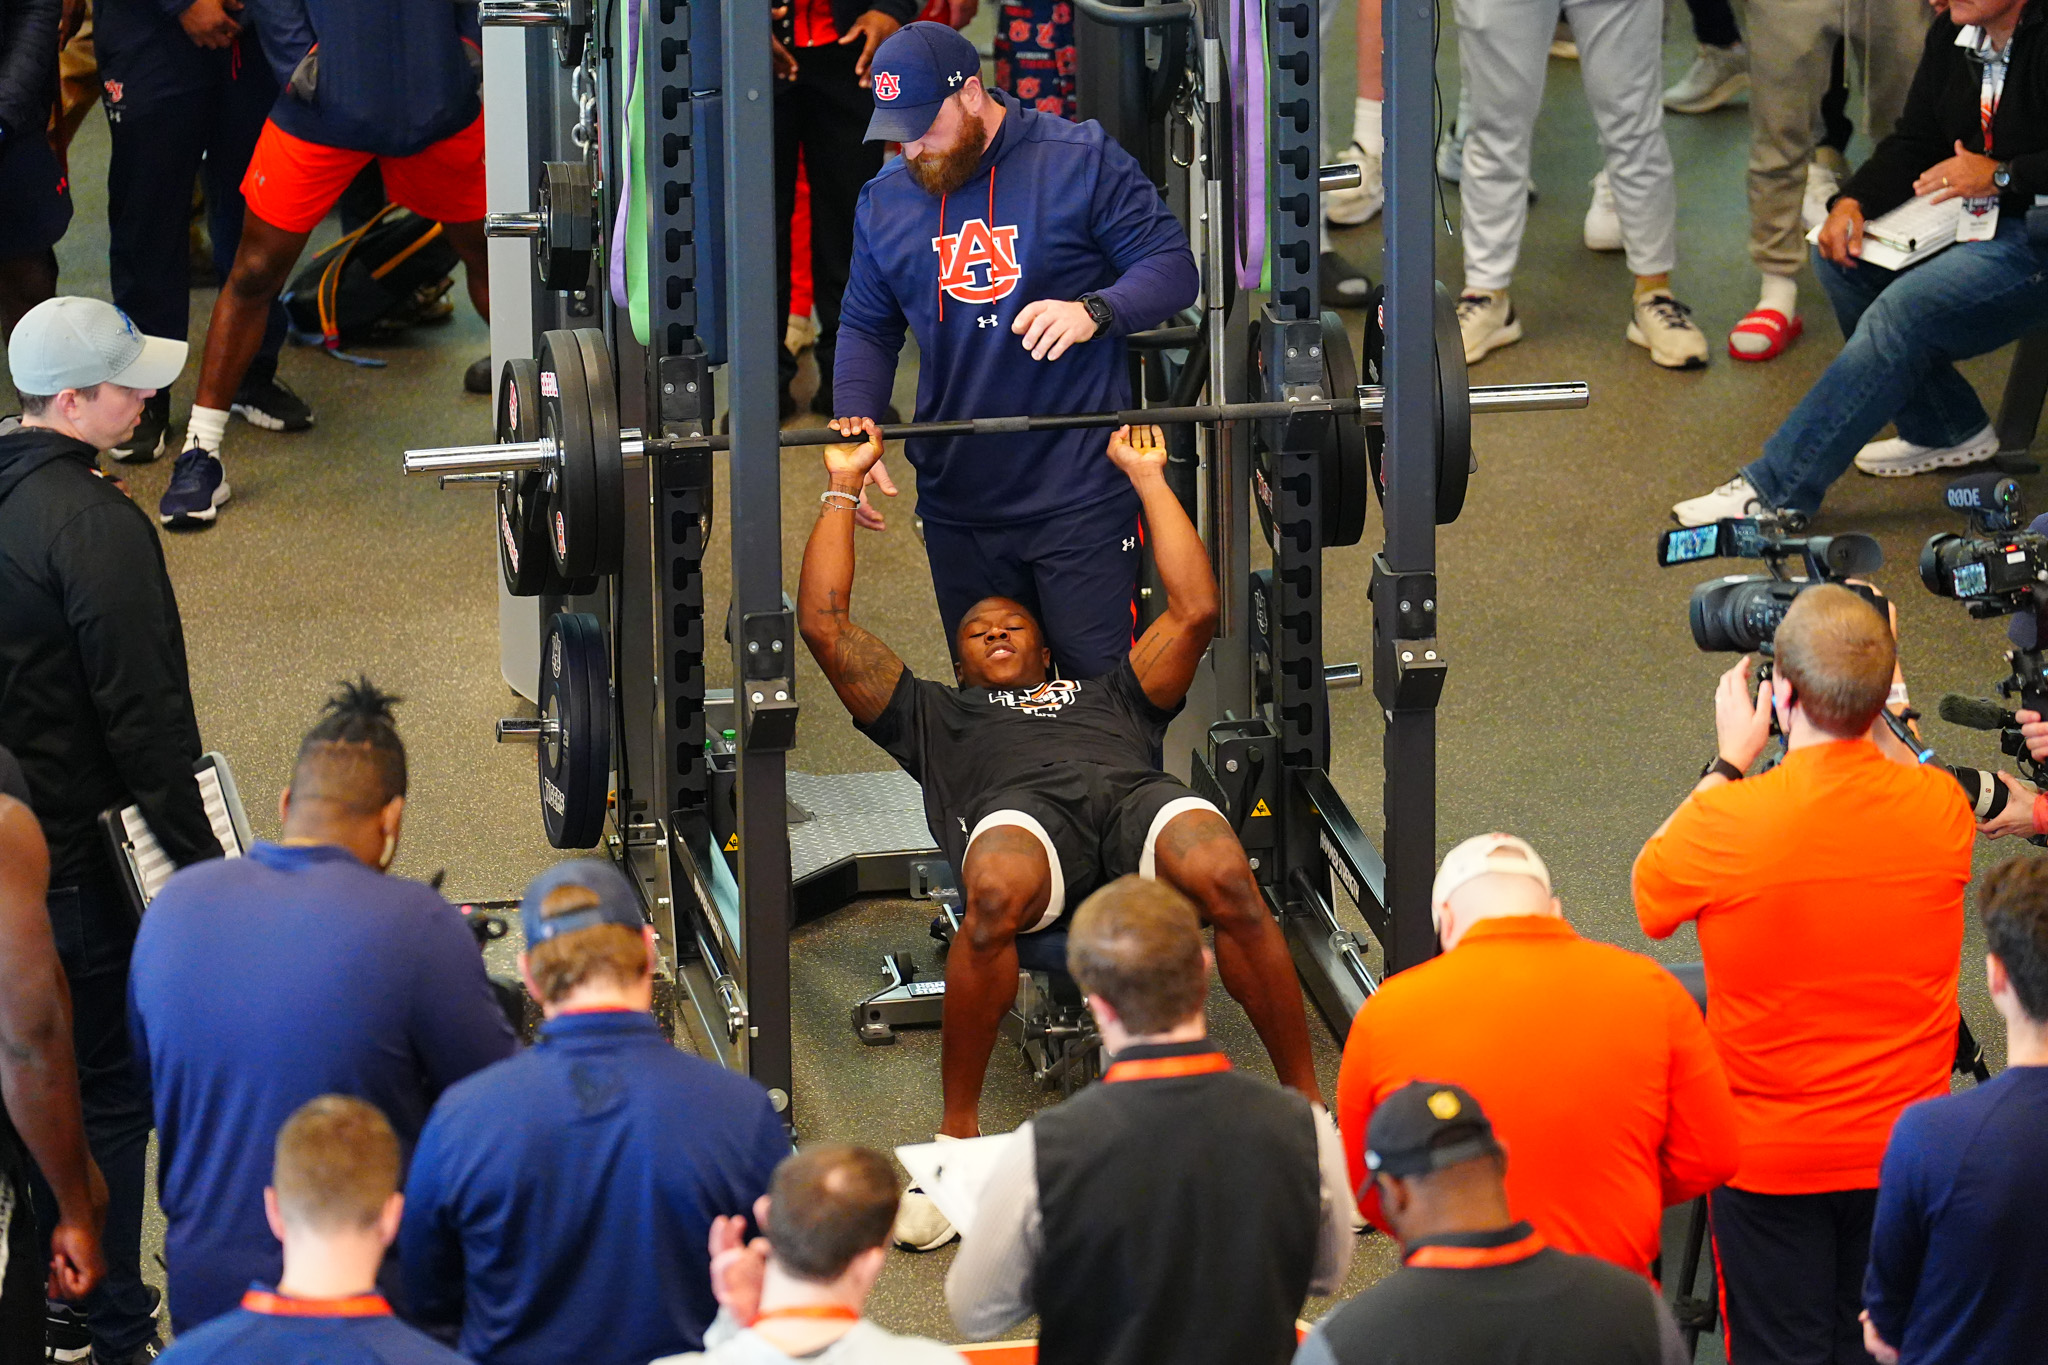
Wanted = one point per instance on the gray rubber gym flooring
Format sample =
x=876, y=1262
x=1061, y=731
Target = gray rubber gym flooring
x=1577, y=712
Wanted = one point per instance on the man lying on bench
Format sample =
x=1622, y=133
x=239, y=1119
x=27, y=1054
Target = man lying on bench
x=1040, y=790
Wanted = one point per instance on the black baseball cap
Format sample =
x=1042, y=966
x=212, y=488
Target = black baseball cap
x=915, y=71
x=1399, y=1140
x=616, y=903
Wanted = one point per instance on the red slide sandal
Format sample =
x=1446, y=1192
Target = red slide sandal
x=1779, y=330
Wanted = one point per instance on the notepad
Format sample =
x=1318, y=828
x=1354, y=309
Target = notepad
x=143, y=859
x=954, y=1174
x=1908, y=234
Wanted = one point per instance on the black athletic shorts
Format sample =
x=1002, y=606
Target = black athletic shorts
x=1096, y=824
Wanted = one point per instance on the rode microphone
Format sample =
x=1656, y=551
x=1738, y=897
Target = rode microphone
x=1991, y=500
x=1974, y=713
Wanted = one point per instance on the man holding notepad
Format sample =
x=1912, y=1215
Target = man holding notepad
x=1974, y=133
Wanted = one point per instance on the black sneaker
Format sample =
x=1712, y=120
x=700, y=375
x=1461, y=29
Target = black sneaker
x=152, y=432
x=141, y=1355
x=66, y=1338
x=272, y=406
x=477, y=378
x=199, y=485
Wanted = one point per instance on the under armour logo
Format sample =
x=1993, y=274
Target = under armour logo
x=886, y=87
x=953, y=79
x=986, y=320
x=1130, y=542
x=963, y=825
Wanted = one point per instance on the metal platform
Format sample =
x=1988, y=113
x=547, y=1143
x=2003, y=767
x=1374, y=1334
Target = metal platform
x=852, y=835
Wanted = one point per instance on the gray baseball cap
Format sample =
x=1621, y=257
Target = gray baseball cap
x=74, y=343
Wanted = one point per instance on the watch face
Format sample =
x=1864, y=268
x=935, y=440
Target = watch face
x=2002, y=177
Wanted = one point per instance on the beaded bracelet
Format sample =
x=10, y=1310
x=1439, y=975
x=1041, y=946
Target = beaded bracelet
x=851, y=504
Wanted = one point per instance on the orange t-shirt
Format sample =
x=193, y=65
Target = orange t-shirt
x=1829, y=896
x=1591, y=1062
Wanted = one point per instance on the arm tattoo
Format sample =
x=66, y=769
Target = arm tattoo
x=864, y=672
x=1150, y=650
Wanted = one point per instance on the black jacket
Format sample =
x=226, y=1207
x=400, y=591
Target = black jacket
x=1941, y=109
x=94, y=696
x=28, y=65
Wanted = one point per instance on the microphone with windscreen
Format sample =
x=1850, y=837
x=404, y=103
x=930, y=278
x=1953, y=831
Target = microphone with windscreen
x=1974, y=713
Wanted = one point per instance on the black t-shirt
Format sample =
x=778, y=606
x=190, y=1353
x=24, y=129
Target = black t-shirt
x=964, y=744
x=12, y=783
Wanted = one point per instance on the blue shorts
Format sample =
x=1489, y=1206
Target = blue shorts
x=1076, y=571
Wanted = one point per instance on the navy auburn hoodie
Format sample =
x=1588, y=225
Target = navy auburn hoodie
x=1058, y=211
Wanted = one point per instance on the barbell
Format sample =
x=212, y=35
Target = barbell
x=578, y=451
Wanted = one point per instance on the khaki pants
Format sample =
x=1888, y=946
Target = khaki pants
x=1791, y=45
x=78, y=76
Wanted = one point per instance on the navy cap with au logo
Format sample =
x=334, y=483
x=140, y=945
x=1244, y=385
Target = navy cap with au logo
x=1425, y=1126
x=914, y=72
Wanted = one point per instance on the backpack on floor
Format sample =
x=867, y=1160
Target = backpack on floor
x=392, y=272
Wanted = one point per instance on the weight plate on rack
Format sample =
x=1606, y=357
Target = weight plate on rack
x=568, y=225
x=610, y=461
x=523, y=556
x=1345, y=466
x=565, y=417
x=575, y=760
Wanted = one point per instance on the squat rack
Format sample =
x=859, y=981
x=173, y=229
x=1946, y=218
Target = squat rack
x=689, y=83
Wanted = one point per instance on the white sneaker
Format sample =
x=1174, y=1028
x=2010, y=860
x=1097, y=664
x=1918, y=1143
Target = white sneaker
x=1821, y=185
x=800, y=333
x=1349, y=208
x=919, y=1224
x=1734, y=498
x=1563, y=45
x=1896, y=458
x=1716, y=76
x=1486, y=319
x=1603, y=224
x=1664, y=327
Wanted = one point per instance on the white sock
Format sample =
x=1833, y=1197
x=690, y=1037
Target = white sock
x=1365, y=125
x=1327, y=247
x=206, y=428
x=1780, y=292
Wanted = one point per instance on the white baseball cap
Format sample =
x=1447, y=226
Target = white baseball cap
x=74, y=343
x=1482, y=856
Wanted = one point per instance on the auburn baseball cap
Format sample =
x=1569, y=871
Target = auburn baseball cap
x=616, y=903
x=1425, y=1126
x=74, y=343
x=913, y=73
x=1482, y=856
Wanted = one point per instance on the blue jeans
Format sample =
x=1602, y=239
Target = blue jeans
x=1905, y=330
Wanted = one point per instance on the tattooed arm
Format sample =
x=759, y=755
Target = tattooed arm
x=862, y=670
x=1166, y=655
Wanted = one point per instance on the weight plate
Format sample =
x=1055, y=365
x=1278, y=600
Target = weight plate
x=1345, y=467
x=609, y=460
x=1454, y=411
x=565, y=418
x=523, y=556
x=568, y=225
x=575, y=761
x=1372, y=351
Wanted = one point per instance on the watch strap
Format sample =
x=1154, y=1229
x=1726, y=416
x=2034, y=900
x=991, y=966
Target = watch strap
x=1099, y=309
x=1723, y=767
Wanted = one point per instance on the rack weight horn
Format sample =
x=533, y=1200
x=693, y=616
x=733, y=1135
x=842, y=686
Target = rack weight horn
x=579, y=452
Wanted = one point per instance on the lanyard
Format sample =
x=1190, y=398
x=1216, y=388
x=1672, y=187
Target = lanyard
x=1473, y=1258
x=279, y=1305
x=1163, y=1068
x=826, y=1312
x=1992, y=89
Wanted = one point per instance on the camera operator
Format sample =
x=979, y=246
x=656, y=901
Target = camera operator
x=1828, y=896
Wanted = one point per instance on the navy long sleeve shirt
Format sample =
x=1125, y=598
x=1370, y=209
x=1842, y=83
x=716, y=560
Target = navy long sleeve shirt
x=1058, y=211
x=1959, y=1251
x=259, y=983
x=559, y=1203
x=269, y=1329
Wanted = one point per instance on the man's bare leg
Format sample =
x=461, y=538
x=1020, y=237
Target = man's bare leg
x=1371, y=79
x=468, y=241
x=1008, y=883
x=262, y=264
x=1199, y=853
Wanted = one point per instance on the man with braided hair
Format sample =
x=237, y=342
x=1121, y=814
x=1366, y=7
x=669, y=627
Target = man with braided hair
x=300, y=970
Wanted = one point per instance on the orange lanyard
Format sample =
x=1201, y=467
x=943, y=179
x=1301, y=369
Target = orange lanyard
x=823, y=1312
x=278, y=1305
x=1164, y=1068
x=1474, y=1258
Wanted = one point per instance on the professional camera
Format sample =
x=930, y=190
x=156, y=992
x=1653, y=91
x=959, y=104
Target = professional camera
x=1740, y=613
x=1998, y=568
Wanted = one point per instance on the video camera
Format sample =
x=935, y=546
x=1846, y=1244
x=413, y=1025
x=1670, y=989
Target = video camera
x=1740, y=613
x=1999, y=568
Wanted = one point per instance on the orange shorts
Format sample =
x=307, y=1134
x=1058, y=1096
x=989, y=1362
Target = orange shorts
x=292, y=183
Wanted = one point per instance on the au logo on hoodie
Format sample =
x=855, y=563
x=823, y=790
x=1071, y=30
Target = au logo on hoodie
x=978, y=247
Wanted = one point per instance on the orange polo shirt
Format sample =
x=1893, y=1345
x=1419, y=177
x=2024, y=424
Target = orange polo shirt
x=1590, y=1060
x=1829, y=898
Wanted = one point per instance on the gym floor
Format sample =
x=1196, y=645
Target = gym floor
x=1577, y=712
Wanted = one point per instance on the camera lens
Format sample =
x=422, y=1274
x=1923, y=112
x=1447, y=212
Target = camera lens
x=1739, y=614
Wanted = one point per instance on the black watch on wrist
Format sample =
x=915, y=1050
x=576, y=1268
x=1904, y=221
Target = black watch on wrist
x=1722, y=766
x=2001, y=176
x=1099, y=309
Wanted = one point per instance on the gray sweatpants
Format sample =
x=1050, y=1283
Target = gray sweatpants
x=1503, y=51
x=1791, y=45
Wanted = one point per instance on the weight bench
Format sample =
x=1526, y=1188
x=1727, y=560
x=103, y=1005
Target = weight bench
x=1049, y=1022
x=1700, y=1313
